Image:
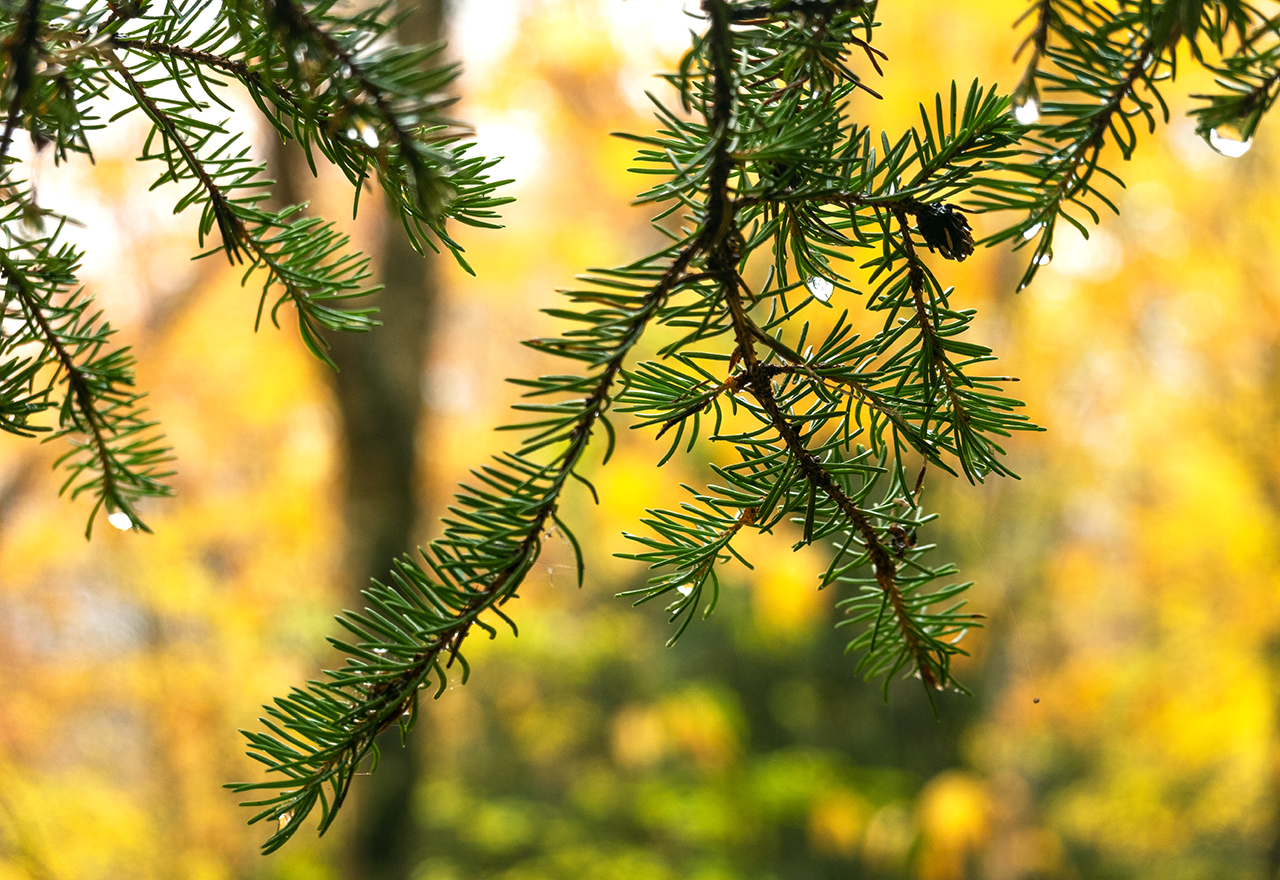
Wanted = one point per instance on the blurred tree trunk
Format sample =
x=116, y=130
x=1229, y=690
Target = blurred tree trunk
x=378, y=392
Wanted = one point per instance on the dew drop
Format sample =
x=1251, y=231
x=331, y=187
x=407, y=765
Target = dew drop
x=369, y=135
x=120, y=520
x=820, y=287
x=1032, y=231
x=285, y=818
x=1228, y=141
x=1027, y=111
x=1044, y=259
x=684, y=589
x=379, y=650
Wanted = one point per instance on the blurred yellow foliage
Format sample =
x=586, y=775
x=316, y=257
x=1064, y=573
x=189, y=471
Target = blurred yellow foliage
x=952, y=813
x=837, y=820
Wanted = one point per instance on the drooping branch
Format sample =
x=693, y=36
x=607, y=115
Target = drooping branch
x=722, y=262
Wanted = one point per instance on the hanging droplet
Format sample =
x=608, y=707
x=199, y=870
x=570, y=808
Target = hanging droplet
x=684, y=589
x=1027, y=110
x=120, y=520
x=285, y=818
x=1044, y=259
x=1229, y=141
x=820, y=287
x=1032, y=231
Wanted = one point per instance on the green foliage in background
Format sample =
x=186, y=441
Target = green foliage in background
x=771, y=197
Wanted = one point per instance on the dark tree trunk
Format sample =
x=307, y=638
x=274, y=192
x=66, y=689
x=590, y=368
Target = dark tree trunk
x=378, y=392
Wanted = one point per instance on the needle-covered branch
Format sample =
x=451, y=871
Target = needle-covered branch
x=1095, y=75
x=327, y=78
x=763, y=160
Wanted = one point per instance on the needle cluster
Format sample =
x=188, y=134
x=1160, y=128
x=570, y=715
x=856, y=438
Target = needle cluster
x=1094, y=79
x=332, y=81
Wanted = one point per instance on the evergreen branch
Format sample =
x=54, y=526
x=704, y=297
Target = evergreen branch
x=754, y=135
x=930, y=668
x=1249, y=79
x=687, y=544
x=93, y=406
x=301, y=261
x=1069, y=181
x=722, y=260
x=408, y=144
x=330, y=754
x=393, y=97
x=757, y=381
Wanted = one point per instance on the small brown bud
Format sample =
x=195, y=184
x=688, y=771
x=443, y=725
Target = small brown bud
x=945, y=228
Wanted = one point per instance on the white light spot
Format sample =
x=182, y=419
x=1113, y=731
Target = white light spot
x=684, y=589
x=120, y=520
x=1097, y=258
x=1027, y=112
x=1032, y=231
x=484, y=31
x=1226, y=139
x=1044, y=259
x=820, y=287
x=517, y=138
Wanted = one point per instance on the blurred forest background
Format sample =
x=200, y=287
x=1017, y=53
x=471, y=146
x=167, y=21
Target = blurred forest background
x=1130, y=580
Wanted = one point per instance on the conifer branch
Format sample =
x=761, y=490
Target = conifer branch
x=59, y=58
x=126, y=461
x=722, y=260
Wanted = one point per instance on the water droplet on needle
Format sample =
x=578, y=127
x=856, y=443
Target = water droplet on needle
x=1228, y=141
x=820, y=287
x=120, y=520
x=1027, y=111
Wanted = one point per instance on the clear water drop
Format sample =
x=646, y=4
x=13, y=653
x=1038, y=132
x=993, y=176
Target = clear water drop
x=1044, y=259
x=120, y=520
x=684, y=589
x=285, y=818
x=1228, y=141
x=1027, y=111
x=379, y=650
x=1032, y=231
x=820, y=287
